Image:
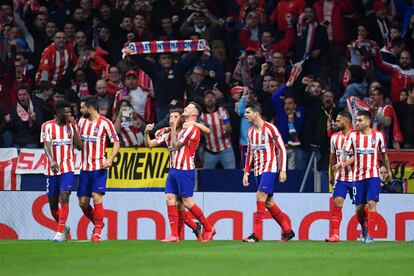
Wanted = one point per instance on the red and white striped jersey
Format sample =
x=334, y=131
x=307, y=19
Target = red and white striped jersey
x=365, y=150
x=130, y=135
x=217, y=140
x=61, y=140
x=94, y=136
x=337, y=145
x=384, y=111
x=261, y=148
x=54, y=64
x=182, y=159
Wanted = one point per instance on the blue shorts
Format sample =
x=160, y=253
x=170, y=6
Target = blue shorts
x=57, y=183
x=266, y=182
x=180, y=182
x=92, y=182
x=367, y=189
x=341, y=188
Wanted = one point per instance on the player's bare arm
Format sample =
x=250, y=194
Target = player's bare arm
x=341, y=165
x=48, y=150
x=176, y=145
x=282, y=176
x=147, y=140
x=115, y=150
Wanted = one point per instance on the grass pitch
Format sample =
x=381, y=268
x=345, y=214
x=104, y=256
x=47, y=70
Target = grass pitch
x=215, y=258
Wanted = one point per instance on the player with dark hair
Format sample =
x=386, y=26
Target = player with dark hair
x=265, y=147
x=341, y=180
x=59, y=136
x=365, y=144
x=173, y=199
x=95, y=130
x=181, y=178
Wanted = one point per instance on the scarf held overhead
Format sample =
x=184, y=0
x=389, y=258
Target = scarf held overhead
x=166, y=46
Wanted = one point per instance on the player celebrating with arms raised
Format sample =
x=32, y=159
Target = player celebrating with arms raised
x=263, y=139
x=94, y=130
x=341, y=180
x=59, y=135
x=365, y=144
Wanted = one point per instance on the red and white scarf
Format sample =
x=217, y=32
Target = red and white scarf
x=166, y=46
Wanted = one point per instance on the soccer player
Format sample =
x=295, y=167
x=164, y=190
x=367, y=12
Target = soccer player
x=365, y=144
x=341, y=180
x=265, y=146
x=181, y=179
x=95, y=131
x=59, y=136
x=173, y=201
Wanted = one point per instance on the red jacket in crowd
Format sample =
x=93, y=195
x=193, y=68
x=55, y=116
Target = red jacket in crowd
x=340, y=9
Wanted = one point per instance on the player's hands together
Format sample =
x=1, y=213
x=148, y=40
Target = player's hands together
x=246, y=180
x=282, y=176
x=338, y=166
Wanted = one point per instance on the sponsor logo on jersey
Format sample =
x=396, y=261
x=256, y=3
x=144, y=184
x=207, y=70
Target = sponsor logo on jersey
x=365, y=151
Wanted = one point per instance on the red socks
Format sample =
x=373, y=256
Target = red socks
x=198, y=214
x=336, y=220
x=372, y=222
x=88, y=212
x=258, y=219
x=281, y=218
x=55, y=214
x=183, y=218
x=98, y=218
x=173, y=218
x=63, y=216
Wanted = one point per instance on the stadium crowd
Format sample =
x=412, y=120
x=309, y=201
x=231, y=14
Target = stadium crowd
x=300, y=60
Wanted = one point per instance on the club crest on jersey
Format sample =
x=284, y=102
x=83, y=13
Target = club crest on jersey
x=373, y=140
x=262, y=137
x=68, y=131
x=95, y=129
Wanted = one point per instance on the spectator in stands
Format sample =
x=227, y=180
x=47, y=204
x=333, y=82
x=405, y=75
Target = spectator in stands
x=383, y=116
x=394, y=186
x=332, y=14
x=311, y=41
x=265, y=86
x=199, y=23
x=167, y=78
x=293, y=7
x=114, y=81
x=37, y=29
x=218, y=148
x=246, y=69
x=405, y=114
x=51, y=29
x=390, y=54
x=139, y=99
x=56, y=60
x=253, y=38
x=128, y=125
x=378, y=24
x=43, y=99
x=317, y=129
x=358, y=86
x=246, y=99
x=6, y=138
x=26, y=119
x=105, y=100
x=199, y=82
x=401, y=75
x=169, y=30
x=403, y=94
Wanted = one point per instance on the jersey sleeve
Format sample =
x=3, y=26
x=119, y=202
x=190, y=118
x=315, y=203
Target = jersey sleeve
x=249, y=153
x=44, y=134
x=110, y=130
x=332, y=143
x=348, y=145
x=388, y=111
x=225, y=115
x=277, y=138
x=381, y=143
x=188, y=135
x=163, y=137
